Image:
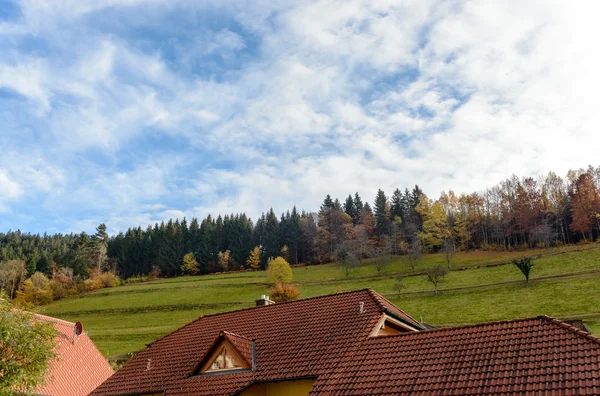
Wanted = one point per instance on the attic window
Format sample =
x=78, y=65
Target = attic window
x=224, y=361
x=224, y=358
x=390, y=326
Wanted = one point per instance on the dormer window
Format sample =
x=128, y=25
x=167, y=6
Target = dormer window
x=225, y=360
x=391, y=326
x=229, y=353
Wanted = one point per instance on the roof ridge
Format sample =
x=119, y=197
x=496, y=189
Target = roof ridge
x=255, y=307
x=573, y=329
x=53, y=319
x=229, y=333
x=377, y=296
x=467, y=326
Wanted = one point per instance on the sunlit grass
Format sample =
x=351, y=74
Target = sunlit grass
x=480, y=287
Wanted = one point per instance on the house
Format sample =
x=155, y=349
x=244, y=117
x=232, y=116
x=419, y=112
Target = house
x=359, y=343
x=79, y=367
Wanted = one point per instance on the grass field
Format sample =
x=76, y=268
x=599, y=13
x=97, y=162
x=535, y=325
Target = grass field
x=565, y=282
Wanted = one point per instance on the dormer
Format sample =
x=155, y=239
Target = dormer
x=389, y=325
x=230, y=353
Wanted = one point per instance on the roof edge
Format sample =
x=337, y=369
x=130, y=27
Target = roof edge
x=376, y=296
x=571, y=328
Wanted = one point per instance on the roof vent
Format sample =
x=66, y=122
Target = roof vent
x=264, y=300
x=361, y=307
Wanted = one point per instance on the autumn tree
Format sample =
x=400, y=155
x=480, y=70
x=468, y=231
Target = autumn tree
x=223, y=259
x=254, y=258
x=12, y=273
x=35, y=290
x=285, y=253
x=585, y=205
x=190, y=265
x=279, y=271
x=282, y=292
x=435, y=223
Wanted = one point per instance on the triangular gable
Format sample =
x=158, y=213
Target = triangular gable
x=229, y=352
x=388, y=325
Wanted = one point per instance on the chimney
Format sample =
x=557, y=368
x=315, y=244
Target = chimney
x=264, y=300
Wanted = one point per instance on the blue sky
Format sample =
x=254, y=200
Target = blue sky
x=129, y=112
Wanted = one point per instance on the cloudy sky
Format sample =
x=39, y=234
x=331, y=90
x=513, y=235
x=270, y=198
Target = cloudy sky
x=129, y=112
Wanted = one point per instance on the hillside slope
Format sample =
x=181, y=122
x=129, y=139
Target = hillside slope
x=482, y=286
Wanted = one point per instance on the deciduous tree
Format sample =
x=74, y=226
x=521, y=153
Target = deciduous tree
x=279, y=271
x=254, y=258
x=26, y=349
x=435, y=275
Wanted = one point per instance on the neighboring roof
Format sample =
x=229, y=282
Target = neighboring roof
x=79, y=367
x=502, y=358
x=327, y=338
x=303, y=338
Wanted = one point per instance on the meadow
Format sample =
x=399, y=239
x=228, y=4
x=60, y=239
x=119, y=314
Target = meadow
x=482, y=286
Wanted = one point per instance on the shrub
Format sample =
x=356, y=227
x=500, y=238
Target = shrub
x=155, y=272
x=108, y=279
x=279, y=271
x=91, y=284
x=35, y=290
x=281, y=293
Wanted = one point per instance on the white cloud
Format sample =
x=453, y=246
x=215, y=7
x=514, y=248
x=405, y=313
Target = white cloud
x=337, y=97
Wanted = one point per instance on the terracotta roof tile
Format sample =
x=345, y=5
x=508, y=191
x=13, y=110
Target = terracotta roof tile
x=328, y=338
x=502, y=358
x=79, y=367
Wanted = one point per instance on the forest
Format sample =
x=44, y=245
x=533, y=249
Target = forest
x=516, y=213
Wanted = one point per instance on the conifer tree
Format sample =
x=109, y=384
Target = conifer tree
x=382, y=218
x=254, y=258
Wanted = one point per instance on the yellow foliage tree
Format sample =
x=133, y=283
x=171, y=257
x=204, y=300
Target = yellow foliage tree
x=254, y=258
x=35, y=290
x=223, y=260
x=285, y=253
x=279, y=271
x=190, y=265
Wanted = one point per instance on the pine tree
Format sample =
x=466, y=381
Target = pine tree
x=350, y=209
x=382, y=219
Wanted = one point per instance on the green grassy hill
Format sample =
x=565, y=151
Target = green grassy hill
x=482, y=286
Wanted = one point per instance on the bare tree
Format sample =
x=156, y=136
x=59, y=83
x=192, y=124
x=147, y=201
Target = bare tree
x=361, y=245
x=449, y=250
x=436, y=275
x=399, y=285
x=415, y=251
x=346, y=259
x=383, y=256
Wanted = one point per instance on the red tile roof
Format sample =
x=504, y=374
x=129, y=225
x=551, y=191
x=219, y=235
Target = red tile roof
x=502, y=358
x=327, y=338
x=79, y=367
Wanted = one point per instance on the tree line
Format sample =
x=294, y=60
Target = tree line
x=518, y=212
